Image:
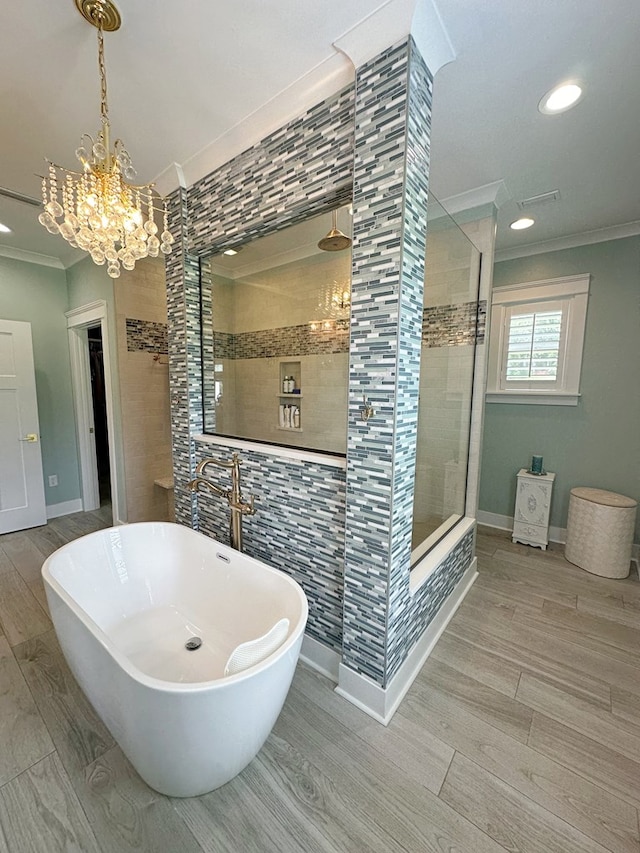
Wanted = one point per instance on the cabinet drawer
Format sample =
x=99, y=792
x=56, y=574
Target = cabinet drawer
x=530, y=532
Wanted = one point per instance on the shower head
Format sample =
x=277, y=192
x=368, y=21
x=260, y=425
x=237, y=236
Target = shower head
x=335, y=241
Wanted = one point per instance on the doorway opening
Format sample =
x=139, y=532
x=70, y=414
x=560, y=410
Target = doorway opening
x=99, y=401
x=94, y=404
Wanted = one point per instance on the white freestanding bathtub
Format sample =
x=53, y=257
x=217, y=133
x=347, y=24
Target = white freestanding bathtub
x=125, y=602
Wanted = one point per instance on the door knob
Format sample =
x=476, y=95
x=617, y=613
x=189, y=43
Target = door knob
x=30, y=437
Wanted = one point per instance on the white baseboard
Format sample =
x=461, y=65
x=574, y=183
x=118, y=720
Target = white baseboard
x=382, y=703
x=556, y=534
x=505, y=522
x=320, y=657
x=64, y=508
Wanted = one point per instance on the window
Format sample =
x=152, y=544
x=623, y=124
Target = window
x=535, y=344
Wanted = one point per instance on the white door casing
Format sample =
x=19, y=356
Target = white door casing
x=22, y=501
x=85, y=426
x=78, y=321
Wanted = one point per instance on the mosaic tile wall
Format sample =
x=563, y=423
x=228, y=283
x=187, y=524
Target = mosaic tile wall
x=185, y=376
x=304, y=168
x=438, y=588
x=297, y=503
x=207, y=346
x=146, y=336
x=301, y=169
x=393, y=97
x=454, y=325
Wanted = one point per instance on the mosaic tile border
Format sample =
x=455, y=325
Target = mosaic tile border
x=146, y=336
x=283, y=342
x=454, y=325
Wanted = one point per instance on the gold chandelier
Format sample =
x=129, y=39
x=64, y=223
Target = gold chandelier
x=99, y=210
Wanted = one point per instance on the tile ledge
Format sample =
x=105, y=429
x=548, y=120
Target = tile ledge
x=165, y=482
x=318, y=458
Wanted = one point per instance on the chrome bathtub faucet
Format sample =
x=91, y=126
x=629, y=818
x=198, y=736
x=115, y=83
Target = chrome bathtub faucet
x=233, y=496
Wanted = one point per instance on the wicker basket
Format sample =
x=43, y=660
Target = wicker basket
x=600, y=531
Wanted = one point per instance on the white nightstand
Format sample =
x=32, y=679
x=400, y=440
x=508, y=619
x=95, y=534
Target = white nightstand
x=533, y=504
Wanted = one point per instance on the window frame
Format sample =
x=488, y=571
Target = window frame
x=571, y=293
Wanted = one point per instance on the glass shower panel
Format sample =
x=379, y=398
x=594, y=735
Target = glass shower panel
x=452, y=277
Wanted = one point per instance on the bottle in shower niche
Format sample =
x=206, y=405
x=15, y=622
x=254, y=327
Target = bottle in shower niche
x=281, y=416
x=285, y=385
x=287, y=417
x=296, y=417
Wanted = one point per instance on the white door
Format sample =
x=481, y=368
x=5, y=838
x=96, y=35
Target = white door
x=21, y=482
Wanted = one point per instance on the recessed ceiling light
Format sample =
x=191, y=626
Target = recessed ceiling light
x=521, y=224
x=560, y=98
x=5, y=229
x=230, y=252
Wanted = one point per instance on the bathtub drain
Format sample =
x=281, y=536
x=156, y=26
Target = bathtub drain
x=193, y=644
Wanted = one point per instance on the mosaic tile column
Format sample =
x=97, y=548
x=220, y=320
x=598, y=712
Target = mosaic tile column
x=392, y=123
x=185, y=375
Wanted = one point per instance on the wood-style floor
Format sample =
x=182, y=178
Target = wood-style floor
x=522, y=733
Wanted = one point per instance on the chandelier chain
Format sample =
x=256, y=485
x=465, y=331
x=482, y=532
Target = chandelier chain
x=104, y=109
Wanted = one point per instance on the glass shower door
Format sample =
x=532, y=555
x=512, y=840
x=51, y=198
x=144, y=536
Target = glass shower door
x=449, y=333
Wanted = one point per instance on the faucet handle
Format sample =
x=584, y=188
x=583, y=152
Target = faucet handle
x=244, y=508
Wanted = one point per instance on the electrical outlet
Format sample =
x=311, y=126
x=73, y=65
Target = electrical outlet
x=53, y=479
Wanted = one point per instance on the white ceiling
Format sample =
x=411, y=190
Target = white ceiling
x=197, y=81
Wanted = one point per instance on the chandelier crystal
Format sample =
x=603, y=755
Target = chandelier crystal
x=98, y=209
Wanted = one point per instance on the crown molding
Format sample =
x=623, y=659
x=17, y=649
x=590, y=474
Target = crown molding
x=324, y=80
x=389, y=24
x=431, y=36
x=571, y=241
x=31, y=257
x=495, y=193
x=170, y=179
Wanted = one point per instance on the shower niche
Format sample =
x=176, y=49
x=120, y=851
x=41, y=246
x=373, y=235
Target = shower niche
x=290, y=396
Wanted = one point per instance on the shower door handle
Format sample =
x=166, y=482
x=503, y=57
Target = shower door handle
x=31, y=437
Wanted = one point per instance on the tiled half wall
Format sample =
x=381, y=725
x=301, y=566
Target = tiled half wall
x=298, y=527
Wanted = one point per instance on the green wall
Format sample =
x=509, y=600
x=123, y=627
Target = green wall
x=596, y=443
x=38, y=295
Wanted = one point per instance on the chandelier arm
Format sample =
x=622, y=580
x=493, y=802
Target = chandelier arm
x=139, y=187
x=62, y=169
